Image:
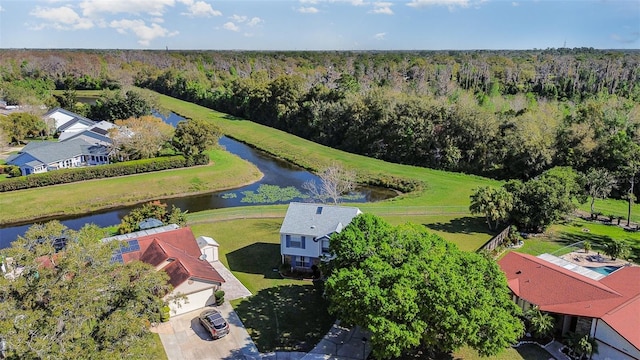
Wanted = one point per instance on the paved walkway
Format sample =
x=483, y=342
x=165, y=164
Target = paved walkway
x=554, y=348
x=232, y=287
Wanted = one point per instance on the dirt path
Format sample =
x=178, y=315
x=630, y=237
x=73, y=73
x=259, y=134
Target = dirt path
x=6, y=152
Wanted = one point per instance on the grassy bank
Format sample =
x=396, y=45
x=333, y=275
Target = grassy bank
x=227, y=171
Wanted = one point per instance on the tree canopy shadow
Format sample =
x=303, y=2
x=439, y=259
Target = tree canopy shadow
x=286, y=318
x=463, y=225
x=257, y=258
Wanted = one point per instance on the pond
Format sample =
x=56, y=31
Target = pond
x=281, y=184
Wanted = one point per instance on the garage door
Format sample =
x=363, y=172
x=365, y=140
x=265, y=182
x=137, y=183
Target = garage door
x=196, y=301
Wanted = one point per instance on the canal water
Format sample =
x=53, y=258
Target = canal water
x=276, y=172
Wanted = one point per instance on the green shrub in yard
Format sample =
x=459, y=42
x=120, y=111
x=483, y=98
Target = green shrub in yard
x=64, y=176
x=165, y=313
x=219, y=295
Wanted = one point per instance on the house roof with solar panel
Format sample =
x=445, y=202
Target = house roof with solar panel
x=175, y=251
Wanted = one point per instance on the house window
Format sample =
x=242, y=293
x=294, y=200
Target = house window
x=325, y=245
x=302, y=261
x=296, y=243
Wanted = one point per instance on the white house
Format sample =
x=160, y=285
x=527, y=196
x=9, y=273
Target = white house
x=39, y=157
x=582, y=301
x=306, y=229
x=66, y=122
x=175, y=251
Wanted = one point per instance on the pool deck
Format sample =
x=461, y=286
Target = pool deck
x=592, y=259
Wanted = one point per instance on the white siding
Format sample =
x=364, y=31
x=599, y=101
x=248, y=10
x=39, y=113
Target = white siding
x=311, y=248
x=612, y=346
x=199, y=294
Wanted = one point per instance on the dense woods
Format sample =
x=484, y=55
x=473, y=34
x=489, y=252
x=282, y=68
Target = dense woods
x=504, y=114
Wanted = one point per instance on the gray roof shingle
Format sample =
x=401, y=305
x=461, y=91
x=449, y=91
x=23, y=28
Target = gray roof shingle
x=316, y=219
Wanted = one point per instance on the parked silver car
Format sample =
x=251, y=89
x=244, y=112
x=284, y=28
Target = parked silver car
x=213, y=321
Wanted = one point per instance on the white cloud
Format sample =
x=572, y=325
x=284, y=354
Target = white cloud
x=352, y=2
x=199, y=9
x=144, y=33
x=1, y=9
x=151, y=7
x=157, y=20
x=308, y=10
x=312, y=2
x=380, y=36
x=238, y=18
x=231, y=26
x=255, y=21
x=515, y=3
x=61, y=18
x=449, y=3
x=382, y=8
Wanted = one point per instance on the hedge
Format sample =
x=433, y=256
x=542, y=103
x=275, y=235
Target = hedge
x=64, y=176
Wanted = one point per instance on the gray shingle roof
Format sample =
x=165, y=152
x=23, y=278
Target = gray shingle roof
x=49, y=152
x=316, y=219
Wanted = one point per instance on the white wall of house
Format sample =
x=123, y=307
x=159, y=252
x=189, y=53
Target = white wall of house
x=309, y=249
x=611, y=345
x=73, y=129
x=67, y=163
x=199, y=294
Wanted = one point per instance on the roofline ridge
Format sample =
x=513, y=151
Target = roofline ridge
x=567, y=272
x=623, y=304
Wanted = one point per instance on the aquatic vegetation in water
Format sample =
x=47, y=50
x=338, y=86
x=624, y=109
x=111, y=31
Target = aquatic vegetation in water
x=269, y=194
x=229, y=196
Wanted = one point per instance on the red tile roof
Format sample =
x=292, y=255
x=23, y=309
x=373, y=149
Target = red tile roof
x=615, y=298
x=180, y=247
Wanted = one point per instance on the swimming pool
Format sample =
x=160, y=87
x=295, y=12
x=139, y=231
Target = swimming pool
x=604, y=270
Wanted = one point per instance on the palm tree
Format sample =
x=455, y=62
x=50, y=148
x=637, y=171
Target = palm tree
x=616, y=248
x=541, y=324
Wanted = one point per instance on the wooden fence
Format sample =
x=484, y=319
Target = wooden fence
x=495, y=241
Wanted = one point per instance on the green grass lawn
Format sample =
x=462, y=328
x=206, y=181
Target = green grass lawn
x=227, y=171
x=613, y=207
x=524, y=352
x=557, y=240
x=282, y=314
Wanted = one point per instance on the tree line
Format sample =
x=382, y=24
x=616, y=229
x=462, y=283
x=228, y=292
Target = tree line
x=503, y=114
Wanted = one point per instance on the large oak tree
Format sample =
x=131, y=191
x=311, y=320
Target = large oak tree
x=67, y=299
x=410, y=288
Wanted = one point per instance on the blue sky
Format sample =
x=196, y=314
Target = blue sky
x=319, y=24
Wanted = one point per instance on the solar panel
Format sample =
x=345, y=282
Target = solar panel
x=125, y=248
x=134, y=245
x=128, y=246
x=117, y=258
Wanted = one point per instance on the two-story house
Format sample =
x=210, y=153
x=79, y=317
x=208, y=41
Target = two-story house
x=306, y=229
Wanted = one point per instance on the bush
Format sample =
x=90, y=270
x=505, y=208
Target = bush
x=219, y=295
x=11, y=170
x=64, y=176
x=165, y=313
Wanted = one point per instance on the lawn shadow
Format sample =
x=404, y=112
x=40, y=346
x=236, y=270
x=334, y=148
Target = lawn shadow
x=257, y=258
x=286, y=318
x=463, y=225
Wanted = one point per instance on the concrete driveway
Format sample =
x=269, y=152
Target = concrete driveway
x=184, y=337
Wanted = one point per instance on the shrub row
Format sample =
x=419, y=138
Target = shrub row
x=392, y=182
x=64, y=176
